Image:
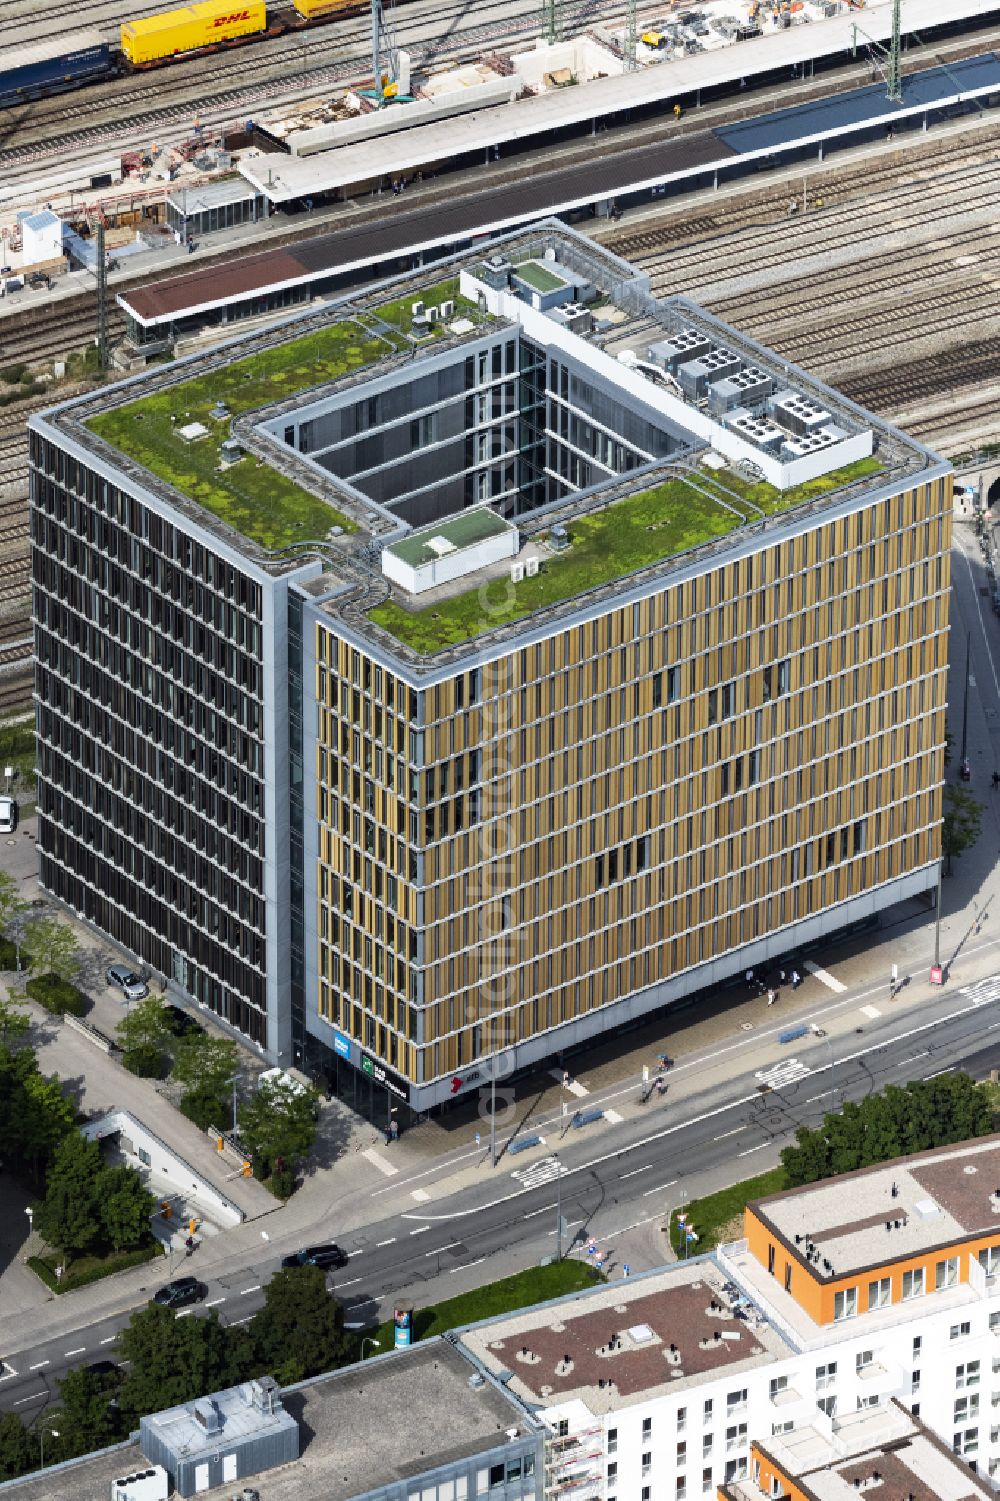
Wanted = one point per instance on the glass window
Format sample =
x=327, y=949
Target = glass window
x=962, y=1330
x=496, y=1476
x=513, y=1470
x=845, y=1303
x=967, y=1374
x=880, y=1293
x=946, y=1273
x=913, y=1283
x=989, y=1260
x=826, y=1375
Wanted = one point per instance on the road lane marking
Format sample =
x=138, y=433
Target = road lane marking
x=80, y=1351
x=38, y=1397
x=612, y=1117
x=573, y=1085
x=939, y=1072
x=8, y=1370
x=779, y=1075
x=233, y=1322
x=871, y=1011
x=449, y=1247
x=185, y=1313
x=636, y=1170
x=420, y=1194
x=467, y=1265
x=695, y=1120
x=824, y=976
x=254, y=1289
x=726, y=1134
x=38, y=1367
x=110, y=1339
x=390, y=1242
x=377, y=1160
x=214, y=1304
x=813, y=1098
x=660, y=1189
x=758, y=1148
x=351, y=1283
x=534, y=1213
x=358, y=1252
x=905, y=1061
x=420, y=1229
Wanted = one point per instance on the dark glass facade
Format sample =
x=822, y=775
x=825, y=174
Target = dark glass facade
x=149, y=686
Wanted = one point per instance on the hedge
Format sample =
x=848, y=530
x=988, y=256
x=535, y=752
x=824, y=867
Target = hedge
x=56, y=995
x=91, y=1268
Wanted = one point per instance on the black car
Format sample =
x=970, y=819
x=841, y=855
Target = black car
x=181, y=1022
x=179, y=1293
x=321, y=1256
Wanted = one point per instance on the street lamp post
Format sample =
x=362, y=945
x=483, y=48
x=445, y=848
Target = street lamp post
x=53, y=1433
x=965, y=700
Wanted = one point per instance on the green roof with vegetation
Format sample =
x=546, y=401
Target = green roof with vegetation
x=250, y=495
x=463, y=530
x=399, y=312
x=540, y=277
x=608, y=544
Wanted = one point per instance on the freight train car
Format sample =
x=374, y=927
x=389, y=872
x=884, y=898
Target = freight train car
x=52, y=66
x=157, y=39
x=324, y=10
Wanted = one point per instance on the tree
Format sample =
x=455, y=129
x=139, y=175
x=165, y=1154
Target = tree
x=18, y=1452
x=35, y=1115
x=69, y=1216
x=205, y=1067
x=142, y=1036
x=172, y=1360
x=50, y=946
x=85, y=1418
x=278, y=1126
x=300, y=1329
x=14, y=1022
x=963, y=818
x=126, y=1206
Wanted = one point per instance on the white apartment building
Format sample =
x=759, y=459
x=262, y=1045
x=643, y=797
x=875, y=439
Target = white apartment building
x=877, y=1287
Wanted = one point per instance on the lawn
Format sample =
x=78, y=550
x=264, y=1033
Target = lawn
x=398, y=313
x=83, y=1270
x=718, y=1217
x=625, y=536
x=249, y=496
x=17, y=749
x=539, y=277
x=523, y=1290
x=771, y=500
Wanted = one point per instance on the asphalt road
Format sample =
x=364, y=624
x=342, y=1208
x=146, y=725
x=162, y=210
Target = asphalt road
x=651, y=1168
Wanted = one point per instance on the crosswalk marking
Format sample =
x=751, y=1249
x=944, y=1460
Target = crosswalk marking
x=871, y=1011
x=539, y=1172
x=983, y=991
x=821, y=974
x=378, y=1161
x=573, y=1085
x=788, y=1071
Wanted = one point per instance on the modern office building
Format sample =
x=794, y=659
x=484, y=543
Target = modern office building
x=439, y=679
x=715, y=1379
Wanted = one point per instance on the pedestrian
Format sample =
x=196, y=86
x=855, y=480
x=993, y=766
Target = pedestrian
x=781, y=978
x=796, y=979
x=626, y=1269
x=771, y=997
x=996, y=780
x=749, y=978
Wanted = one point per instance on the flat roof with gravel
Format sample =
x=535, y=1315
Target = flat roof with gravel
x=670, y=1328
x=886, y=1213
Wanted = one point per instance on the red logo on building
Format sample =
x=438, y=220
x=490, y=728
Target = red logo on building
x=237, y=15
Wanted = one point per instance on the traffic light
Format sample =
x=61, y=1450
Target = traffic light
x=192, y=1226
x=247, y=1169
x=165, y=1209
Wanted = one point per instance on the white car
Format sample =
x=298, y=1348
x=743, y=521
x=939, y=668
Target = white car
x=8, y=815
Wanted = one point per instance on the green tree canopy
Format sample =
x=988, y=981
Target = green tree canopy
x=10, y=898
x=278, y=1125
x=173, y=1360
x=962, y=820
x=300, y=1329
x=205, y=1067
x=125, y=1205
x=897, y=1121
x=85, y=1418
x=14, y=1022
x=69, y=1216
x=35, y=1115
x=18, y=1451
x=142, y=1036
x=51, y=948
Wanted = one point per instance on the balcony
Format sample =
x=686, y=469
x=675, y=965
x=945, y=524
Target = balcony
x=884, y=1378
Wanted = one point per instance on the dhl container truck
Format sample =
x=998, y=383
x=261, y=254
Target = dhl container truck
x=191, y=28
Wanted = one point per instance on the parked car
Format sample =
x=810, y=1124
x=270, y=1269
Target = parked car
x=8, y=815
x=181, y=1022
x=179, y=1293
x=326, y=1256
x=127, y=981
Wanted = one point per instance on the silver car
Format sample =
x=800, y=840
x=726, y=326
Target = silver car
x=127, y=981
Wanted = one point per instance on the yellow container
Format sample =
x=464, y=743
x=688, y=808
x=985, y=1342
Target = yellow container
x=313, y=10
x=191, y=27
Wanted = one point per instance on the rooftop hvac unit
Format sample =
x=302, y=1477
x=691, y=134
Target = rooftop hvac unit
x=516, y=572
x=431, y=314
x=207, y=1415
x=688, y=344
x=448, y=309
x=797, y=413
x=530, y=567
x=417, y=309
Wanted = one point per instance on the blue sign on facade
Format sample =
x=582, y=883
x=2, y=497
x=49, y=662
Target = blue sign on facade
x=341, y=1044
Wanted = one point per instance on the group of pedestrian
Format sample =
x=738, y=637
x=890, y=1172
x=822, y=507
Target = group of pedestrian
x=398, y=184
x=771, y=984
